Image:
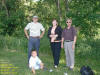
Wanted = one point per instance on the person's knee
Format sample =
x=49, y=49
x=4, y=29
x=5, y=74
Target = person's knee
x=41, y=65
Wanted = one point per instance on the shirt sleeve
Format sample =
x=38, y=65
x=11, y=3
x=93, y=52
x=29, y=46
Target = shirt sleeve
x=60, y=32
x=27, y=26
x=38, y=61
x=63, y=34
x=42, y=28
x=49, y=32
x=30, y=62
x=74, y=31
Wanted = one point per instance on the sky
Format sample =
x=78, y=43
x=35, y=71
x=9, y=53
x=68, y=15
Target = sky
x=35, y=0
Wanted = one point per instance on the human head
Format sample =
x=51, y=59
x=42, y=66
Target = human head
x=34, y=53
x=35, y=19
x=54, y=22
x=69, y=22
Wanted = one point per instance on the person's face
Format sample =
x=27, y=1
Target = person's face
x=68, y=22
x=54, y=23
x=34, y=53
x=35, y=19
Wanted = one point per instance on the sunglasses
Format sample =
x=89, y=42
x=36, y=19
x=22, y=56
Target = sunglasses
x=68, y=22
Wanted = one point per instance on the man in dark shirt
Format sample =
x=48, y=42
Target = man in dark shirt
x=69, y=40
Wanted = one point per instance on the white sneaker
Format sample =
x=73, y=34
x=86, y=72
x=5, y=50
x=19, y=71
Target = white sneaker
x=71, y=66
x=55, y=66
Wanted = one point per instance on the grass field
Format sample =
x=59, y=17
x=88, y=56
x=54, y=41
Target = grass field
x=13, y=57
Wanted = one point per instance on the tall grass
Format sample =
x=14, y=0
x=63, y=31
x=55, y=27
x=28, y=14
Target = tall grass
x=21, y=43
x=13, y=43
x=84, y=46
x=87, y=51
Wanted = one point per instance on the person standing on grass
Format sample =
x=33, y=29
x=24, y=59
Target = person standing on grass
x=34, y=37
x=69, y=40
x=54, y=34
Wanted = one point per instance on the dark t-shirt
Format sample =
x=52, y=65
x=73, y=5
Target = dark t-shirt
x=68, y=34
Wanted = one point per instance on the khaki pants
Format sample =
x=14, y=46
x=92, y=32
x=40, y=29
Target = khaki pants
x=69, y=52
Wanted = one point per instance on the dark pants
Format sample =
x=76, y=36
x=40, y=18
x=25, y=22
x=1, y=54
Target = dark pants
x=33, y=43
x=56, y=48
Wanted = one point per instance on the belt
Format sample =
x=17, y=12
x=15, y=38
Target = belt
x=68, y=40
x=35, y=36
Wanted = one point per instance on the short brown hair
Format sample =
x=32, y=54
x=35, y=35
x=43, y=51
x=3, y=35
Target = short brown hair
x=33, y=51
x=55, y=20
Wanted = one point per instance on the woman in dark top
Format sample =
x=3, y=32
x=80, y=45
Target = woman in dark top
x=54, y=34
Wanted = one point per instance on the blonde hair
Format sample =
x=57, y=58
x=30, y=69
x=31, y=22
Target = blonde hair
x=68, y=19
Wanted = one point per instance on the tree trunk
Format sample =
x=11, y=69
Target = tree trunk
x=66, y=4
x=58, y=8
x=5, y=6
x=66, y=7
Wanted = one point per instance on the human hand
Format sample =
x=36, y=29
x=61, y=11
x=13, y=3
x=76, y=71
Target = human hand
x=28, y=37
x=50, y=36
x=56, y=35
x=62, y=46
x=73, y=46
x=40, y=36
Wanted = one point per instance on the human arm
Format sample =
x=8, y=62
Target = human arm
x=62, y=42
x=41, y=65
x=42, y=34
x=26, y=30
x=75, y=38
x=49, y=32
x=74, y=42
x=43, y=30
x=26, y=33
x=39, y=62
x=59, y=33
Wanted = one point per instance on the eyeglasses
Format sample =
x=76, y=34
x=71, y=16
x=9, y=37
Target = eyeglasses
x=68, y=22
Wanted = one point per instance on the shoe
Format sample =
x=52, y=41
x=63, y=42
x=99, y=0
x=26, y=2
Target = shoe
x=71, y=69
x=55, y=66
x=45, y=68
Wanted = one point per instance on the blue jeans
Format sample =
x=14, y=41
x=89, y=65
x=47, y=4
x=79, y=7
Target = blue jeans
x=33, y=43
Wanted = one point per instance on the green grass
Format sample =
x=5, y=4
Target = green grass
x=13, y=53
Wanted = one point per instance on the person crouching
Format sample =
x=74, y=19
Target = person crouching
x=34, y=62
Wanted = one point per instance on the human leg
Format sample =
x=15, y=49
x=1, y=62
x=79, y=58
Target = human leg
x=57, y=52
x=67, y=54
x=37, y=45
x=71, y=52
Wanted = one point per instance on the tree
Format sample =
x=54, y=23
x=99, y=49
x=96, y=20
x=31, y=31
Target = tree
x=58, y=8
x=5, y=6
x=15, y=14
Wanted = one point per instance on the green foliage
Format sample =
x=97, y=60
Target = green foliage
x=15, y=14
x=14, y=21
x=85, y=16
